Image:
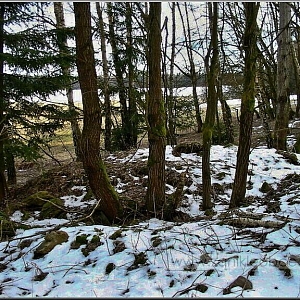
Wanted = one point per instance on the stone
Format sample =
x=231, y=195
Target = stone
x=52, y=239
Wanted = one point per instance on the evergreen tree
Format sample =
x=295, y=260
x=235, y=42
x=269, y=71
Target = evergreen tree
x=30, y=72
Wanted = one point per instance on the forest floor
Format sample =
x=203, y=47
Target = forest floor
x=248, y=252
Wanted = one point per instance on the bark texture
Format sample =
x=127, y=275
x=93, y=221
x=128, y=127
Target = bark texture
x=90, y=143
x=283, y=91
x=247, y=106
x=155, y=197
x=212, y=75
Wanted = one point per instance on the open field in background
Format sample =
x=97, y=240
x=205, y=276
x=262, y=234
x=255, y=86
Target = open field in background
x=62, y=150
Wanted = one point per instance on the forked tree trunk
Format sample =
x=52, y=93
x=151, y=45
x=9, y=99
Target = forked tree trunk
x=247, y=105
x=90, y=143
x=155, y=197
x=66, y=69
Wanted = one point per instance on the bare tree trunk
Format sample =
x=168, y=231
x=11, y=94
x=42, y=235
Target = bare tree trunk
x=283, y=90
x=90, y=143
x=171, y=101
x=3, y=184
x=226, y=111
x=66, y=69
x=247, y=105
x=208, y=127
x=131, y=127
x=11, y=168
x=193, y=74
x=107, y=104
x=155, y=197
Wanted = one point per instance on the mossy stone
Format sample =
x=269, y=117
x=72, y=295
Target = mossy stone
x=116, y=234
x=51, y=209
x=80, y=240
x=52, y=239
x=37, y=200
x=265, y=187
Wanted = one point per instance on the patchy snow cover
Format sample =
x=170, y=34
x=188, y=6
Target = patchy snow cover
x=167, y=259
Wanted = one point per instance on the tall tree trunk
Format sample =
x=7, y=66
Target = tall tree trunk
x=11, y=167
x=193, y=74
x=131, y=127
x=126, y=136
x=247, y=105
x=283, y=90
x=171, y=101
x=226, y=110
x=90, y=143
x=3, y=184
x=212, y=75
x=155, y=197
x=107, y=104
x=66, y=69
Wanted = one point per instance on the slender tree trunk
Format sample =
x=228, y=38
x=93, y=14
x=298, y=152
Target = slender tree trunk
x=11, y=168
x=155, y=197
x=212, y=75
x=193, y=73
x=90, y=143
x=247, y=105
x=3, y=184
x=126, y=136
x=66, y=69
x=283, y=91
x=107, y=104
x=131, y=127
x=226, y=110
x=171, y=101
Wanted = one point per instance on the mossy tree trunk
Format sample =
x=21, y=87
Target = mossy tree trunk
x=90, y=142
x=66, y=69
x=155, y=197
x=247, y=105
x=283, y=70
x=212, y=68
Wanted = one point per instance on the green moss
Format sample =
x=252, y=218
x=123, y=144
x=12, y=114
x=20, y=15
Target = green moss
x=116, y=234
x=37, y=200
x=207, y=133
x=51, y=209
x=89, y=195
x=95, y=239
x=80, y=240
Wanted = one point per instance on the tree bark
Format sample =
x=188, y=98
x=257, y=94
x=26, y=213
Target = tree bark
x=90, y=142
x=247, y=105
x=171, y=101
x=283, y=91
x=193, y=74
x=155, y=197
x=3, y=183
x=212, y=100
x=107, y=104
x=66, y=69
x=132, y=125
